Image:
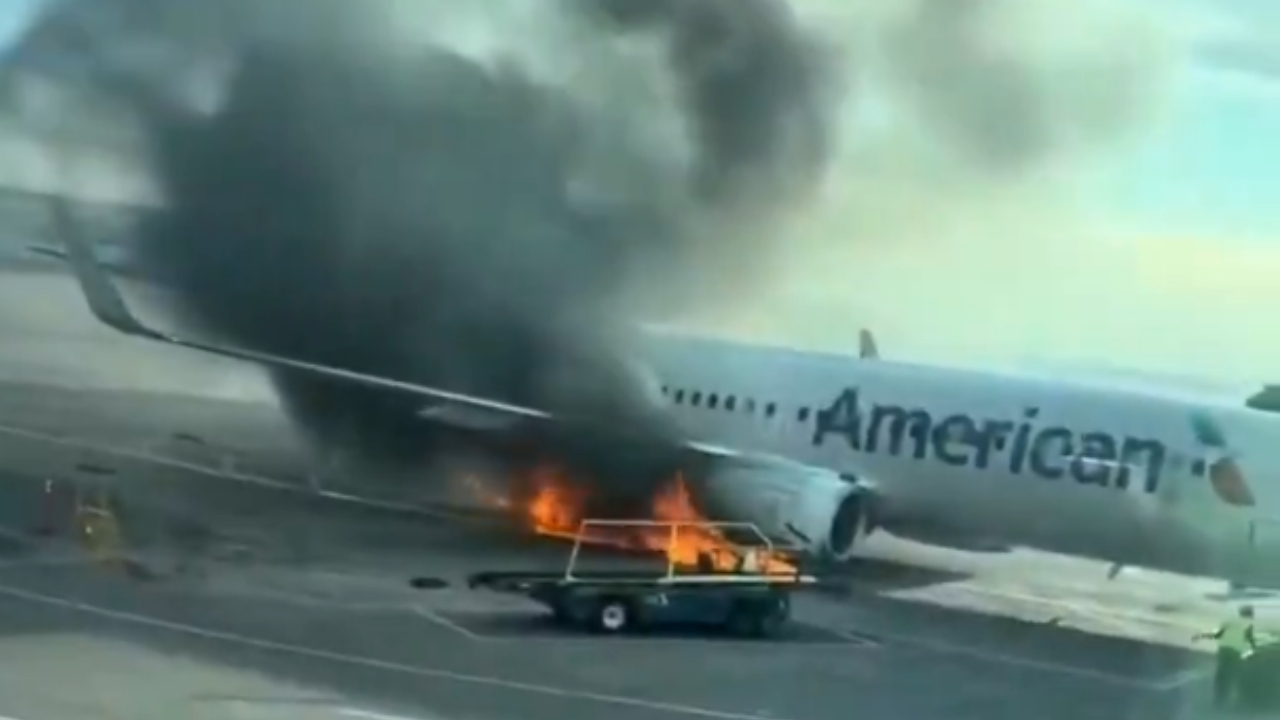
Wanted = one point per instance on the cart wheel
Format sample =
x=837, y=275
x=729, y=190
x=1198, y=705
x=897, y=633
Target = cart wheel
x=769, y=622
x=781, y=612
x=560, y=613
x=613, y=616
x=760, y=620
x=742, y=621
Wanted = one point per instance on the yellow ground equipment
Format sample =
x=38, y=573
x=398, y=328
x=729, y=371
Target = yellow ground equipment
x=99, y=529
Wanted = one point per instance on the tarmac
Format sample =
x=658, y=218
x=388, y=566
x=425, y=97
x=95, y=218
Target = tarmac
x=300, y=605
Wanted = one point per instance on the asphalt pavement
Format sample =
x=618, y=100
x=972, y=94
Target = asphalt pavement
x=384, y=652
x=339, y=631
x=313, y=615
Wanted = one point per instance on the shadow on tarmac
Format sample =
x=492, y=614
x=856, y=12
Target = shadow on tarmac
x=533, y=625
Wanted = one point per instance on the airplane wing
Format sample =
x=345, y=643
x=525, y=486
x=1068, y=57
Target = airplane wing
x=109, y=307
x=460, y=410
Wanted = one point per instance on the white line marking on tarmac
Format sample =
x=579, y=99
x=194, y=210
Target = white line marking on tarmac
x=280, y=596
x=336, y=657
x=264, y=699
x=441, y=620
x=71, y=558
x=1093, y=608
x=1182, y=679
x=1099, y=612
x=1023, y=662
x=334, y=705
x=248, y=478
x=370, y=715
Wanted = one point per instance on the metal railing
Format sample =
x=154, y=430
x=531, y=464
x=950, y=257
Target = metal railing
x=672, y=529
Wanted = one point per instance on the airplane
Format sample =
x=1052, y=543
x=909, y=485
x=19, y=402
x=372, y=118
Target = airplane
x=822, y=450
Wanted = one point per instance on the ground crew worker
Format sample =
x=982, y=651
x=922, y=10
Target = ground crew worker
x=1236, y=640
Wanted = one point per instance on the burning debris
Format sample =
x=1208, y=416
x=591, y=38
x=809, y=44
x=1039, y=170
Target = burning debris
x=556, y=507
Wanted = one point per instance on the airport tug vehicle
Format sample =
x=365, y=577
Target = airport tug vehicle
x=748, y=597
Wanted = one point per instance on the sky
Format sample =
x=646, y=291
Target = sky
x=14, y=15
x=1216, y=168
x=1166, y=256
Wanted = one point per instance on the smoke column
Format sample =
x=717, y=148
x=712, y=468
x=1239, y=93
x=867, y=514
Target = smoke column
x=346, y=190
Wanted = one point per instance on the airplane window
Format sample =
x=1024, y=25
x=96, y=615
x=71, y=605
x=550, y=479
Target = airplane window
x=695, y=399
x=803, y=414
x=712, y=399
x=679, y=396
x=770, y=409
x=729, y=403
x=666, y=390
x=751, y=405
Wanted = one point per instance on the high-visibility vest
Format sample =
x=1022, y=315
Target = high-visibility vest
x=1234, y=635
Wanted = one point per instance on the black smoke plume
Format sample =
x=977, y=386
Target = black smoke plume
x=382, y=202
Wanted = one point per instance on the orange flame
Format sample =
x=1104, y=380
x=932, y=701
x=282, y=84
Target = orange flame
x=556, y=507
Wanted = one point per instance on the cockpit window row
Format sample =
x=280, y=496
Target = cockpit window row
x=727, y=403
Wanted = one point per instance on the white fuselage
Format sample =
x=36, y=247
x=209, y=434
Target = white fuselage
x=1073, y=468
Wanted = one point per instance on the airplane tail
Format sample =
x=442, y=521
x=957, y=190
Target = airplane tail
x=867, y=349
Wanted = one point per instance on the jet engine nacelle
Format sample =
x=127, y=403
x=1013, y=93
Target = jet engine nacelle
x=794, y=505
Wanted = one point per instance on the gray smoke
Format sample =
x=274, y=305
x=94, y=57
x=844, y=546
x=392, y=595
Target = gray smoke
x=382, y=202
